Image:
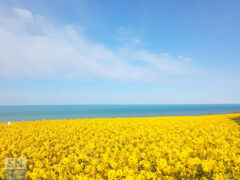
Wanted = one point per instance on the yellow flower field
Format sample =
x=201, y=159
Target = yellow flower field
x=190, y=147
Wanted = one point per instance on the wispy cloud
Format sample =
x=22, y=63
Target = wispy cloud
x=23, y=13
x=125, y=36
x=33, y=47
x=185, y=58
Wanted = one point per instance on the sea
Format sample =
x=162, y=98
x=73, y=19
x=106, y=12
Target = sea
x=40, y=112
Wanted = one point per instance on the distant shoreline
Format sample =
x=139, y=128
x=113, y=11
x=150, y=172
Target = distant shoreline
x=33, y=113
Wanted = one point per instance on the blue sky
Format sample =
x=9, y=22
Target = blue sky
x=119, y=52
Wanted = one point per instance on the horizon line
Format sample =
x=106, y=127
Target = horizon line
x=119, y=104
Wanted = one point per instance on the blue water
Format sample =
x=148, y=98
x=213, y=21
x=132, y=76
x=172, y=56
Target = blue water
x=20, y=113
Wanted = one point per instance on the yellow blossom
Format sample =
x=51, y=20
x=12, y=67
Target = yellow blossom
x=184, y=147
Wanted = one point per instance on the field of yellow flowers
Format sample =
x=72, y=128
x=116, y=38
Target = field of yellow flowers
x=190, y=147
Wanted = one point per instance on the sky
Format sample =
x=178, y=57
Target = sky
x=119, y=52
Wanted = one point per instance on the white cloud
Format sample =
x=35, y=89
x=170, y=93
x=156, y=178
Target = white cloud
x=23, y=13
x=43, y=49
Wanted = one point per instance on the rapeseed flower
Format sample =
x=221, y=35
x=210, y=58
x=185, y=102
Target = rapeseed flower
x=191, y=147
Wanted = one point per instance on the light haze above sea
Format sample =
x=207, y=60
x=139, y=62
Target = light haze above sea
x=39, y=112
